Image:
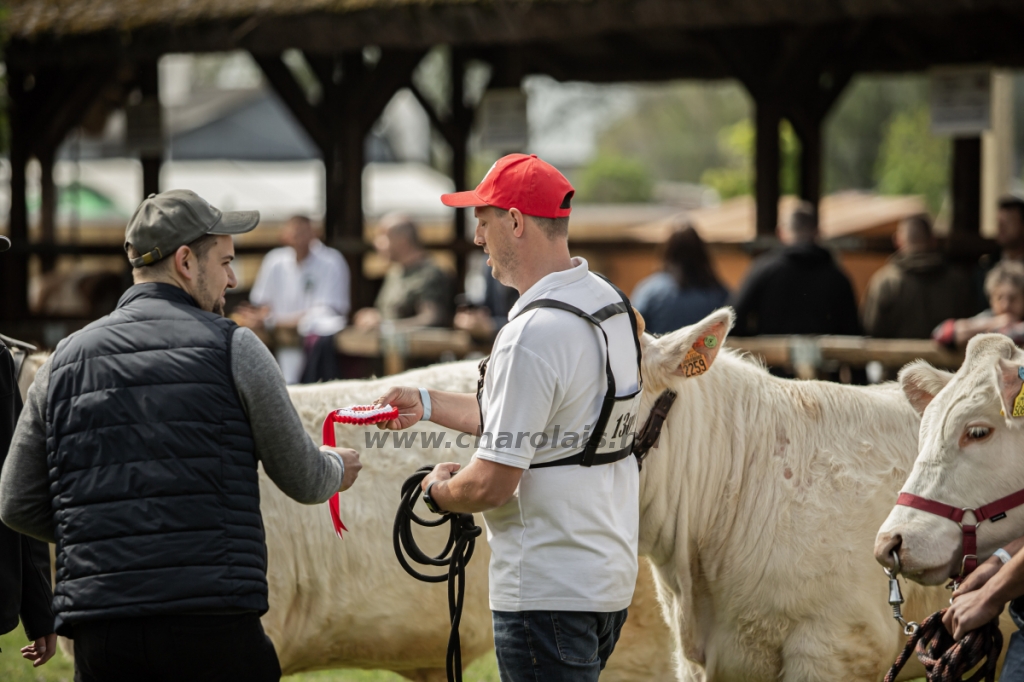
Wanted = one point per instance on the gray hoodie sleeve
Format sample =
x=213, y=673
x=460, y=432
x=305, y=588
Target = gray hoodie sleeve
x=291, y=459
x=25, y=503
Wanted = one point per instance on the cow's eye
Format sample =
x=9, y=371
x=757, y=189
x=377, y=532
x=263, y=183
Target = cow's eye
x=976, y=433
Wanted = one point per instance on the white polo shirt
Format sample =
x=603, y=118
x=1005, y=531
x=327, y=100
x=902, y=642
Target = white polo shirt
x=313, y=293
x=567, y=540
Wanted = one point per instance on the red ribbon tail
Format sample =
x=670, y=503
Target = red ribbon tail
x=336, y=515
x=333, y=503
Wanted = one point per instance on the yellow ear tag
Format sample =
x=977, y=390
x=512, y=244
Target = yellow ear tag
x=1018, y=402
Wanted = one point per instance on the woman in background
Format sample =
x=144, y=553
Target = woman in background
x=685, y=291
x=1004, y=286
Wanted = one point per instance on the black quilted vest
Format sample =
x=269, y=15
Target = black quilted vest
x=152, y=466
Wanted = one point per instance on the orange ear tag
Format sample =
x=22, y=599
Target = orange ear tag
x=695, y=364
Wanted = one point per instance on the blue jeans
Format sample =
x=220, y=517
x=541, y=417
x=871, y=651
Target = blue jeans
x=554, y=646
x=1013, y=664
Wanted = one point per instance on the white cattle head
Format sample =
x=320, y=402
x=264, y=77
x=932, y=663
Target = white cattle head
x=970, y=453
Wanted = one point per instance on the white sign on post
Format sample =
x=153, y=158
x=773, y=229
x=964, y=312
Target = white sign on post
x=502, y=117
x=961, y=101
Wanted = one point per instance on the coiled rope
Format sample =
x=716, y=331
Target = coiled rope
x=947, y=660
x=456, y=554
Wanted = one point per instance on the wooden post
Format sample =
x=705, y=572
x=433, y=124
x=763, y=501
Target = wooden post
x=351, y=145
x=14, y=266
x=333, y=153
x=47, y=207
x=766, y=159
x=151, y=160
x=809, y=132
x=966, y=185
x=462, y=120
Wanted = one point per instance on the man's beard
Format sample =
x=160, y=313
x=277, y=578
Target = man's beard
x=505, y=273
x=211, y=304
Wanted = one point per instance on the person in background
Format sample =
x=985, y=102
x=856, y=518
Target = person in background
x=416, y=292
x=25, y=591
x=486, y=320
x=1004, y=286
x=1009, y=237
x=917, y=289
x=798, y=289
x=303, y=286
x=685, y=291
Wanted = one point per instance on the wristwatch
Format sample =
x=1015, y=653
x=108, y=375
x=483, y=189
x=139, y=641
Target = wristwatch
x=429, y=501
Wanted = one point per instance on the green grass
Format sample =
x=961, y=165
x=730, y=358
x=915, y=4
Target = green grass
x=13, y=668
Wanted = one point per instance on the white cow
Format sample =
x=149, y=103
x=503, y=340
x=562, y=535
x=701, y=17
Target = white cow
x=759, y=511
x=970, y=455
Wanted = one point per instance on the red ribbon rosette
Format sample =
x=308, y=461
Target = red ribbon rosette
x=359, y=415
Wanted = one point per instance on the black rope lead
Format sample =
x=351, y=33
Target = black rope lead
x=456, y=555
x=948, y=660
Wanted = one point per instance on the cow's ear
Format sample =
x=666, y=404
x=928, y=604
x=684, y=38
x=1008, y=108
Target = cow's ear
x=690, y=351
x=921, y=383
x=1010, y=380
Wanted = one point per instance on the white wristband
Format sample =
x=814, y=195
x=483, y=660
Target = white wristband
x=425, y=399
x=1003, y=555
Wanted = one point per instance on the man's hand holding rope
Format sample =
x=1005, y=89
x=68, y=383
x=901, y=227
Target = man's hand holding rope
x=984, y=593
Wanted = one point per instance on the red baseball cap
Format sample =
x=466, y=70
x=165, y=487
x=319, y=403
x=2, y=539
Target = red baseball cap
x=533, y=186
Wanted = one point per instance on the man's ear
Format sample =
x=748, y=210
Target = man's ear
x=690, y=351
x=921, y=383
x=518, y=222
x=1010, y=380
x=185, y=263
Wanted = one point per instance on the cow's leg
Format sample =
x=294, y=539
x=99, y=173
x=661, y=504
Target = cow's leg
x=425, y=675
x=829, y=650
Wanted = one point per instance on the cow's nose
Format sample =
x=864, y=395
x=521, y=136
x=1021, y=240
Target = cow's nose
x=885, y=545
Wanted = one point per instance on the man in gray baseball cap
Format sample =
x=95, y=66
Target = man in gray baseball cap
x=137, y=455
x=177, y=224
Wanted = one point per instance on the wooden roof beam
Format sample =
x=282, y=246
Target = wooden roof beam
x=309, y=116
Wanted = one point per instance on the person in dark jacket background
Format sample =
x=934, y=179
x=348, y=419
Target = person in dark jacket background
x=798, y=289
x=137, y=455
x=917, y=289
x=685, y=291
x=24, y=562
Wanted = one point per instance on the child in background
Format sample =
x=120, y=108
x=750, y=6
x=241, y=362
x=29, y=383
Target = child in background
x=1004, y=287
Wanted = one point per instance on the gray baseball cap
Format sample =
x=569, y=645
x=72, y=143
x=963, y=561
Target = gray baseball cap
x=169, y=220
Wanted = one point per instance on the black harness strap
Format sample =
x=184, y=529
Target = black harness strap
x=589, y=455
x=650, y=432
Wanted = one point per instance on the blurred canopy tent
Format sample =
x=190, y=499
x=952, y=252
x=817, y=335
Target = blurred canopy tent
x=70, y=62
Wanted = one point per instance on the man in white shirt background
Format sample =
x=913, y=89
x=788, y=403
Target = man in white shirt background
x=563, y=537
x=303, y=285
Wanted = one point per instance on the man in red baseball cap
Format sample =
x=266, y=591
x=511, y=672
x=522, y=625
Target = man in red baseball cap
x=554, y=417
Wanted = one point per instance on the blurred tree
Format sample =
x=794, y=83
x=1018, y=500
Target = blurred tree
x=856, y=125
x=615, y=179
x=736, y=177
x=702, y=132
x=673, y=128
x=913, y=161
